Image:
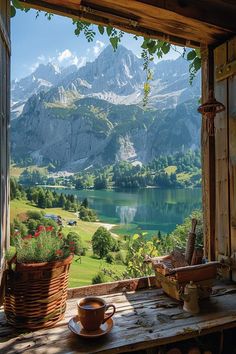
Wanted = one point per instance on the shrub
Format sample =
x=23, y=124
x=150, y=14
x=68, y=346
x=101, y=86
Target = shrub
x=178, y=237
x=138, y=247
x=119, y=257
x=74, y=242
x=99, y=278
x=109, y=258
x=33, y=214
x=115, y=245
x=101, y=242
x=32, y=225
x=87, y=214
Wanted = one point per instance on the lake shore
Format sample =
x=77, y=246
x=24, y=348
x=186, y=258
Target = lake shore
x=107, y=226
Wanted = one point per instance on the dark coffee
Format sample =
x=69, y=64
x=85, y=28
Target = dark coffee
x=92, y=312
x=91, y=305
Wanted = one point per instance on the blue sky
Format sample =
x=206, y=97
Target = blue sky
x=36, y=41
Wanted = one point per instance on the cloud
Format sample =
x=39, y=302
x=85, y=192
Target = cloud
x=61, y=59
x=66, y=54
x=66, y=58
x=98, y=47
x=41, y=58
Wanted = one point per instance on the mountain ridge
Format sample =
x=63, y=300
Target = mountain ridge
x=85, y=117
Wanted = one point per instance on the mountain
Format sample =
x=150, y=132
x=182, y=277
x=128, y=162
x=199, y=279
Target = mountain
x=42, y=79
x=93, y=116
x=116, y=77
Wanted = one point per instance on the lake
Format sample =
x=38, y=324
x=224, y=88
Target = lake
x=142, y=210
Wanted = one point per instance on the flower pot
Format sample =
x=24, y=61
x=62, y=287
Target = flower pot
x=36, y=293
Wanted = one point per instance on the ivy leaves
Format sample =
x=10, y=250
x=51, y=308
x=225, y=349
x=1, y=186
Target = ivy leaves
x=151, y=47
x=194, y=57
x=15, y=4
x=84, y=27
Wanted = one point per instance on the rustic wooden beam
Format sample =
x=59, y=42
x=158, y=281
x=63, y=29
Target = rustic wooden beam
x=166, y=20
x=125, y=23
x=220, y=13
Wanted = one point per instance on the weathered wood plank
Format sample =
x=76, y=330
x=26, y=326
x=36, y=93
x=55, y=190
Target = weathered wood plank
x=169, y=20
x=221, y=148
x=144, y=319
x=127, y=23
x=208, y=159
x=232, y=151
x=4, y=130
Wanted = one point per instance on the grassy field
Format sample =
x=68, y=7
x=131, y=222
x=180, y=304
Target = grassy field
x=170, y=169
x=80, y=274
x=16, y=171
x=184, y=176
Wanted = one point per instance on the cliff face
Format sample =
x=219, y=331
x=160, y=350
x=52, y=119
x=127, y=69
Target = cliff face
x=79, y=120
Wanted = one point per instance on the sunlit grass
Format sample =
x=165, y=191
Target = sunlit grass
x=184, y=176
x=170, y=169
x=80, y=274
x=16, y=171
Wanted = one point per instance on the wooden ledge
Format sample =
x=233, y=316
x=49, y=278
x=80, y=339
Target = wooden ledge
x=144, y=319
x=113, y=287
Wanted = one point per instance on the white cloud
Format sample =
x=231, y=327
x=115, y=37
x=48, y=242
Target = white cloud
x=66, y=58
x=61, y=59
x=41, y=58
x=98, y=47
x=66, y=54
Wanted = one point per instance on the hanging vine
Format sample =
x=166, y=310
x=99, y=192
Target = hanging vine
x=151, y=48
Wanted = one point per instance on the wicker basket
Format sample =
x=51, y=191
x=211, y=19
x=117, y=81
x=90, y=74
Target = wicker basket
x=35, y=295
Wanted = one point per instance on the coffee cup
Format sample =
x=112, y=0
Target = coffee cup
x=92, y=312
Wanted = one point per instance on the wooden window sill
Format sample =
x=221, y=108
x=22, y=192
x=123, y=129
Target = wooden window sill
x=144, y=319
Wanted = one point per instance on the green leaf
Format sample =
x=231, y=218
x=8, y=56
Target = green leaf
x=109, y=30
x=145, y=43
x=165, y=48
x=191, y=55
x=151, y=44
x=135, y=237
x=77, y=31
x=17, y=4
x=13, y=11
x=114, y=42
x=197, y=63
x=101, y=29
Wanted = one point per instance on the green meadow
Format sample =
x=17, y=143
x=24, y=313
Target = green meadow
x=80, y=273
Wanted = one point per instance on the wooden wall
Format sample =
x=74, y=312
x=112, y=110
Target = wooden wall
x=4, y=126
x=219, y=158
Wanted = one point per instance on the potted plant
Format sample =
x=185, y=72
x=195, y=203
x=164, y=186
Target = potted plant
x=37, y=278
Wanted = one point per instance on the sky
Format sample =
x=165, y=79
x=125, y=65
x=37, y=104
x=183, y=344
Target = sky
x=38, y=41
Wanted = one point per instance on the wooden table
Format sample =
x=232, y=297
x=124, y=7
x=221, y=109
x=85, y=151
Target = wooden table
x=144, y=319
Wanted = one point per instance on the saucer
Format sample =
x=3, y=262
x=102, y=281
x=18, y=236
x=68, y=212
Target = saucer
x=76, y=327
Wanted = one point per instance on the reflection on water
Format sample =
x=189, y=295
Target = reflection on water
x=126, y=214
x=146, y=209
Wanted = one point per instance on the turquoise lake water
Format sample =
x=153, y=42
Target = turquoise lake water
x=142, y=210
